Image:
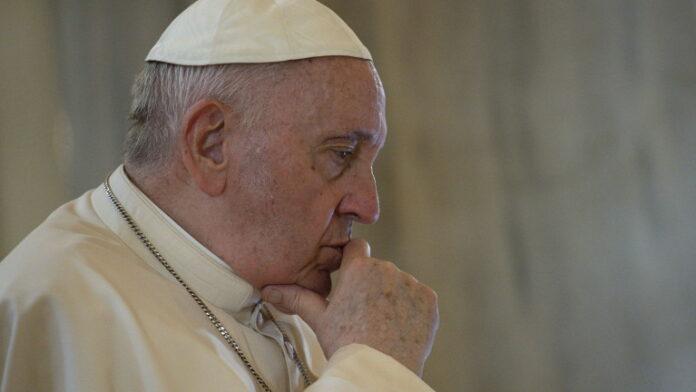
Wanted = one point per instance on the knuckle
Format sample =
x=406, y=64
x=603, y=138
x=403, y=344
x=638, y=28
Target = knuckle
x=429, y=295
x=373, y=265
x=388, y=267
x=359, y=264
x=295, y=301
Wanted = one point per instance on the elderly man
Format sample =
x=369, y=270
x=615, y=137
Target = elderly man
x=204, y=262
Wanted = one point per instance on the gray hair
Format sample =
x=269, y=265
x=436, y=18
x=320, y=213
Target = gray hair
x=162, y=93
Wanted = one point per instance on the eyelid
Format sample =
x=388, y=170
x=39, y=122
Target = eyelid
x=342, y=147
x=334, y=164
x=349, y=152
x=343, y=154
x=345, y=144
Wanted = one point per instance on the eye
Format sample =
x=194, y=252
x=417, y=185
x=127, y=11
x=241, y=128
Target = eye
x=343, y=154
x=333, y=159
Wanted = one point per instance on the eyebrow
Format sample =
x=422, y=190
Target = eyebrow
x=357, y=135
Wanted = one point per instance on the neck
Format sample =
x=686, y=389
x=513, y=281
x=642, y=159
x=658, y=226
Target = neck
x=158, y=185
x=199, y=215
x=178, y=199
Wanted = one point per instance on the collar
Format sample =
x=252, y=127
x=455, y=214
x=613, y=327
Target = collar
x=205, y=272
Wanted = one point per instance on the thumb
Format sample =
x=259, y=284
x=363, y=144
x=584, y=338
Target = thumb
x=294, y=299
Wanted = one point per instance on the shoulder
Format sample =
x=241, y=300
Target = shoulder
x=63, y=257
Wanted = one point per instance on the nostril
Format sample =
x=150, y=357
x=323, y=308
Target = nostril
x=361, y=202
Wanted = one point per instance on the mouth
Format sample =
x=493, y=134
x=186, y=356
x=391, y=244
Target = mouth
x=339, y=244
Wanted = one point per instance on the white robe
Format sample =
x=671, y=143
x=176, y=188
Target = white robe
x=84, y=306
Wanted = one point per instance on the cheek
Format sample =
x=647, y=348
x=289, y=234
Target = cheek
x=300, y=191
x=288, y=197
x=306, y=213
x=306, y=205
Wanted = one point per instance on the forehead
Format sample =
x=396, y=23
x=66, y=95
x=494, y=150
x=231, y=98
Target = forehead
x=325, y=97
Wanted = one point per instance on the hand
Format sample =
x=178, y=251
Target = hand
x=373, y=303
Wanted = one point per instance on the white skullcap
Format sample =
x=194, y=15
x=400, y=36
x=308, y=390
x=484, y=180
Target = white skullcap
x=255, y=31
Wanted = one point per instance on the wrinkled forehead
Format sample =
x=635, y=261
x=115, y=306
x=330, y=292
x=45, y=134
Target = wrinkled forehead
x=331, y=93
x=339, y=68
x=326, y=75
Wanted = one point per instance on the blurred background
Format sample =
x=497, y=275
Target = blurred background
x=540, y=171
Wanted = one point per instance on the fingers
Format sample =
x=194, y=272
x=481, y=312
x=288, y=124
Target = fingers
x=307, y=304
x=355, y=249
x=297, y=300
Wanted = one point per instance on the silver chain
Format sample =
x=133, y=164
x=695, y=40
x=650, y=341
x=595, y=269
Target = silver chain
x=308, y=377
x=214, y=320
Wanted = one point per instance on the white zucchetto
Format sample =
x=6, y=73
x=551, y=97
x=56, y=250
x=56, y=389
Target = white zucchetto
x=255, y=31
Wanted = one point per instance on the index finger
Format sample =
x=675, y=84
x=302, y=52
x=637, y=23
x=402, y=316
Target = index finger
x=356, y=248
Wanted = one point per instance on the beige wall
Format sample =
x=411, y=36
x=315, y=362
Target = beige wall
x=538, y=172
x=540, y=175
x=32, y=149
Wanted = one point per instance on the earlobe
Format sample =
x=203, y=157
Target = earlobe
x=204, y=134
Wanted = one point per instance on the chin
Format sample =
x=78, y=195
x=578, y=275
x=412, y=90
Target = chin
x=318, y=277
x=319, y=282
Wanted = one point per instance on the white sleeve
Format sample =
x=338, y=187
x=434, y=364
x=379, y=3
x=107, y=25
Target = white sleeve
x=358, y=367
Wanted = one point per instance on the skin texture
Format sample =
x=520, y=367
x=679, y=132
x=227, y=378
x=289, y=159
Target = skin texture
x=373, y=303
x=277, y=203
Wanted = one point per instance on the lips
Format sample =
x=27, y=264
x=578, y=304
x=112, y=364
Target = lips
x=339, y=244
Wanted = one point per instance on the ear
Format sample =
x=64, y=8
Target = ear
x=205, y=129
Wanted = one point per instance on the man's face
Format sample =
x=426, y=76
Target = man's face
x=303, y=175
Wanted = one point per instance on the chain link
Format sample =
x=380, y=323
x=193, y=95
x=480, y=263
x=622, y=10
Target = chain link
x=307, y=376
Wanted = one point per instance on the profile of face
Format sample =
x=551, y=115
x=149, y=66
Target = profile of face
x=300, y=178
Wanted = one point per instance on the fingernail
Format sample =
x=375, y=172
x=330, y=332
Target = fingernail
x=273, y=296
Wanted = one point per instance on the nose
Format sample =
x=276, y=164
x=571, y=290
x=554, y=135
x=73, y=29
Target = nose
x=361, y=199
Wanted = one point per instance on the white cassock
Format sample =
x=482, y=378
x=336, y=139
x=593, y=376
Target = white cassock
x=84, y=306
